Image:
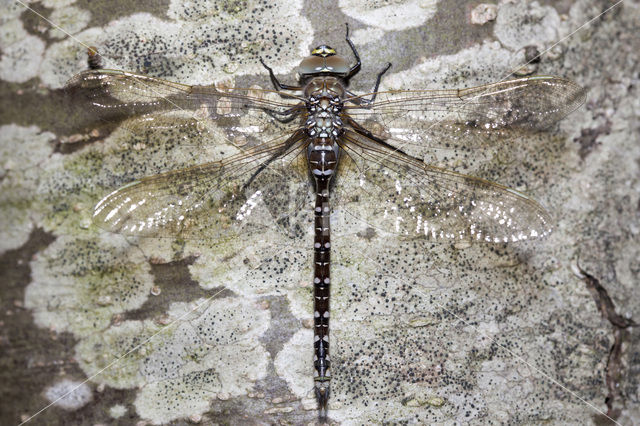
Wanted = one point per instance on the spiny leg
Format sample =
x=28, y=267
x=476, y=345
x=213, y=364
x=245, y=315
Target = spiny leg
x=293, y=139
x=366, y=102
x=274, y=80
x=378, y=79
x=354, y=69
x=288, y=115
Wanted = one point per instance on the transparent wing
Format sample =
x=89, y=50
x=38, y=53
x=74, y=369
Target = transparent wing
x=116, y=95
x=472, y=117
x=213, y=200
x=399, y=194
x=138, y=94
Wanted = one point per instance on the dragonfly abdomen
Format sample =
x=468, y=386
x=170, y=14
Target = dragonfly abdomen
x=321, y=291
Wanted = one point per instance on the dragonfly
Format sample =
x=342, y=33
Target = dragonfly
x=342, y=148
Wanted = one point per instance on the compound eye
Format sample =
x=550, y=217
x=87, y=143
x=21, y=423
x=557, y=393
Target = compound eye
x=337, y=65
x=312, y=65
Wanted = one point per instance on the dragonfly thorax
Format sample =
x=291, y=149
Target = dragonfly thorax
x=324, y=105
x=324, y=125
x=324, y=121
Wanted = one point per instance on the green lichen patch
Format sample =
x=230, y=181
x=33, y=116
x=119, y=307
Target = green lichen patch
x=520, y=25
x=69, y=395
x=21, y=56
x=117, y=411
x=208, y=349
x=297, y=370
x=22, y=152
x=78, y=285
x=263, y=264
x=203, y=42
x=390, y=15
x=71, y=18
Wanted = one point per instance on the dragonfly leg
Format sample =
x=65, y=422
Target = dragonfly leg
x=284, y=116
x=354, y=70
x=378, y=79
x=364, y=132
x=293, y=139
x=365, y=102
x=276, y=83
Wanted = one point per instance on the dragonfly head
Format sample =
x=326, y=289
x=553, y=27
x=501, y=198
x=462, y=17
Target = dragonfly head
x=324, y=61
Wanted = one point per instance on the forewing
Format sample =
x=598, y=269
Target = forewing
x=396, y=193
x=469, y=118
x=114, y=95
x=214, y=200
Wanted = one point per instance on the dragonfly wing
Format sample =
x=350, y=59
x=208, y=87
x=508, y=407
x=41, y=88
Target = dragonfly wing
x=396, y=193
x=473, y=117
x=114, y=96
x=213, y=200
x=138, y=94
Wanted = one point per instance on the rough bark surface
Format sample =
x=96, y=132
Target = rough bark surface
x=422, y=333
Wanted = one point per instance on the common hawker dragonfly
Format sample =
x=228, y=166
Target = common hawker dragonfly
x=340, y=146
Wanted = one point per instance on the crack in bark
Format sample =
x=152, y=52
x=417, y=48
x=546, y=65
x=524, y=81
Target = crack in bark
x=620, y=335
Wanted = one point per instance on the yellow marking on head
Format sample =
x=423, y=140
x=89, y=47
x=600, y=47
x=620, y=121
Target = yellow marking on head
x=323, y=51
